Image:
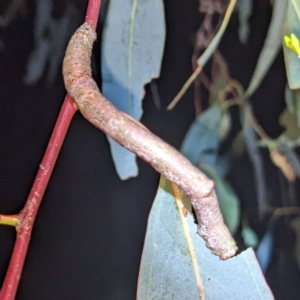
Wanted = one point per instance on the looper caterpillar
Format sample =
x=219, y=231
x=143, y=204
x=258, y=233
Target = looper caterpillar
x=136, y=138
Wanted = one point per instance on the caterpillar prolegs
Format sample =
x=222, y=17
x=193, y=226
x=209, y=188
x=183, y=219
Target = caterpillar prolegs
x=136, y=138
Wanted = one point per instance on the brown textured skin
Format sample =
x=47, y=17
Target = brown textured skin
x=136, y=138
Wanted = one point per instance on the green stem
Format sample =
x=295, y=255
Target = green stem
x=10, y=220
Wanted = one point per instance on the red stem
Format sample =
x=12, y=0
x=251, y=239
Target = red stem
x=92, y=12
x=28, y=214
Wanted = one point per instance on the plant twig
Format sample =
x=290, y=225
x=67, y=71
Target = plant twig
x=28, y=214
x=10, y=220
x=184, y=88
x=25, y=219
x=136, y=138
x=202, y=60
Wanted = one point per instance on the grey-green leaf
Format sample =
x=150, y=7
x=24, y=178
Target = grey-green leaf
x=292, y=99
x=132, y=49
x=228, y=200
x=177, y=265
x=255, y=157
x=249, y=236
x=272, y=45
x=202, y=141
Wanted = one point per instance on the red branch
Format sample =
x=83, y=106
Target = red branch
x=92, y=12
x=28, y=214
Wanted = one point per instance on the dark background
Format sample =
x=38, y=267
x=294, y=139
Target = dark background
x=88, y=236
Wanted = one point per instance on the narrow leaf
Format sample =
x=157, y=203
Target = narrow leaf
x=271, y=47
x=132, y=48
x=256, y=160
x=292, y=99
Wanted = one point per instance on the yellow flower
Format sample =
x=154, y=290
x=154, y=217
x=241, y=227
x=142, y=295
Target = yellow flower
x=292, y=43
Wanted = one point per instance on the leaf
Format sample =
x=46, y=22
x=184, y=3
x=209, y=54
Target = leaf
x=256, y=159
x=289, y=121
x=265, y=250
x=291, y=26
x=39, y=55
x=49, y=46
x=249, y=236
x=177, y=265
x=132, y=49
x=244, y=9
x=292, y=99
x=202, y=141
x=271, y=46
x=228, y=200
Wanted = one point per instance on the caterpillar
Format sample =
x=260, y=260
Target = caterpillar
x=135, y=137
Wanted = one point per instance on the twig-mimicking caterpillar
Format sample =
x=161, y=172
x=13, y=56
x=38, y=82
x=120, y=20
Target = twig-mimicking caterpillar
x=136, y=138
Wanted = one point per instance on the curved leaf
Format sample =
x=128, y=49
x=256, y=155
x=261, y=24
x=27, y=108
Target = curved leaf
x=177, y=265
x=132, y=48
x=271, y=47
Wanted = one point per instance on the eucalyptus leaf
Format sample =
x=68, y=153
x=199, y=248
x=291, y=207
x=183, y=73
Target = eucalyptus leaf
x=228, y=200
x=177, y=265
x=292, y=99
x=255, y=157
x=202, y=141
x=132, y=48
x=290, y=122
x=272, y=45
x=249, y=236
